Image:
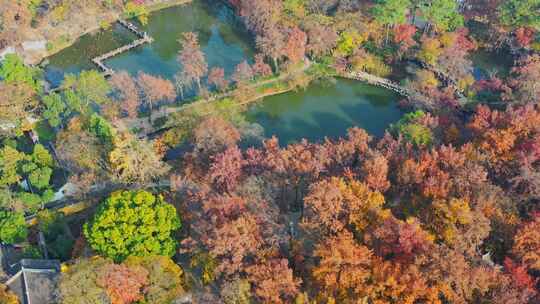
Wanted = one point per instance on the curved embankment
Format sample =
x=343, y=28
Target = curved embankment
x=147, y=129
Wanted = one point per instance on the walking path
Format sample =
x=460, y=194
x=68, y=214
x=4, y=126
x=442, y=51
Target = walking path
x=143, y=38
x=442, y=75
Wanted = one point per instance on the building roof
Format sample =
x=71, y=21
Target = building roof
x=36, y=281
x=10, y=256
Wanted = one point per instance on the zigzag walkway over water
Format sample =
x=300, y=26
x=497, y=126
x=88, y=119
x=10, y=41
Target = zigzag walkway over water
x=143, y=38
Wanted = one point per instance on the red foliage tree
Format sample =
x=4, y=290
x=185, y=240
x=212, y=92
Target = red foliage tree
x=192, y=58
x=524, y=36
x=261, y=68
x=226, y=169
x=296, y=45
x=216, y=77
x=243, y=73
x=273, y=281
x=129, y=94
x=344, y=266
x=527, y=244
x=404, y=36
x=526, y=79
x=321, y=39
x=155, y=88
x=124, y=284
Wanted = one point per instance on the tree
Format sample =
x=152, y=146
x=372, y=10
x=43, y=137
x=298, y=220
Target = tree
x=398, y=283
x=192, y=58
x=13, y=71
x=527, y=244
x=344, y=266
x=12, y=227
x=127, y=91
x=260, y=68
x=273, y=281
x=96, y=280
x=333, y=205
x=79, y=285
x=133, y=223
x=226, y=169
x=135, y=161
x=404, y=36
x=80, y=151
x=412, y=130
x=100, y=127
x=520, y=13
x=90, y=87
x=17, y=105
x=7, y=297
x=236, y=292
x=155, y=89
x=217, y=79
x=526, y=80
x=390, y=13
x=348, y=42
x=260, y=15
x=296, y=45
x=212, y=136
x=454, y=59
x=9, y=165
x=272, y=44
x=165, y=280
x=123, y=284
x=234, y=243
x=376, y=171
x=243, y=73
x=55, y=109
x=442, y=14
x=321, y=39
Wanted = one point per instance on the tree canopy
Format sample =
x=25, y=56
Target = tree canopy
x=133, y=223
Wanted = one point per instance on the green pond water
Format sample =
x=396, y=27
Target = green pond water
x=326, y=109
x=322, y=110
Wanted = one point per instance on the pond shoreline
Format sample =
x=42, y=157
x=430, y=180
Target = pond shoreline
x=151, y=8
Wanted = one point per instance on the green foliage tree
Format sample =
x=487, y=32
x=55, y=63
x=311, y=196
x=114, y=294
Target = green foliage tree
x=12, y=227
x=102, y=129
x=348, y=42
x=13, y=70
x=133, y=9
x=413, y=131
x=442, y=14
x=55, y=108
x=54, y=227
x=16, y=166
x=520, y=13
x=40, y=177
x=391, y=12
x=41, y=156
x=9, y=159
x=90, y=87
x=133, y=223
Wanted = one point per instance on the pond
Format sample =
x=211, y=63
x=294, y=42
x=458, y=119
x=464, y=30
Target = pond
x=223, y=39
x=326, y=110
x=319, y=111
